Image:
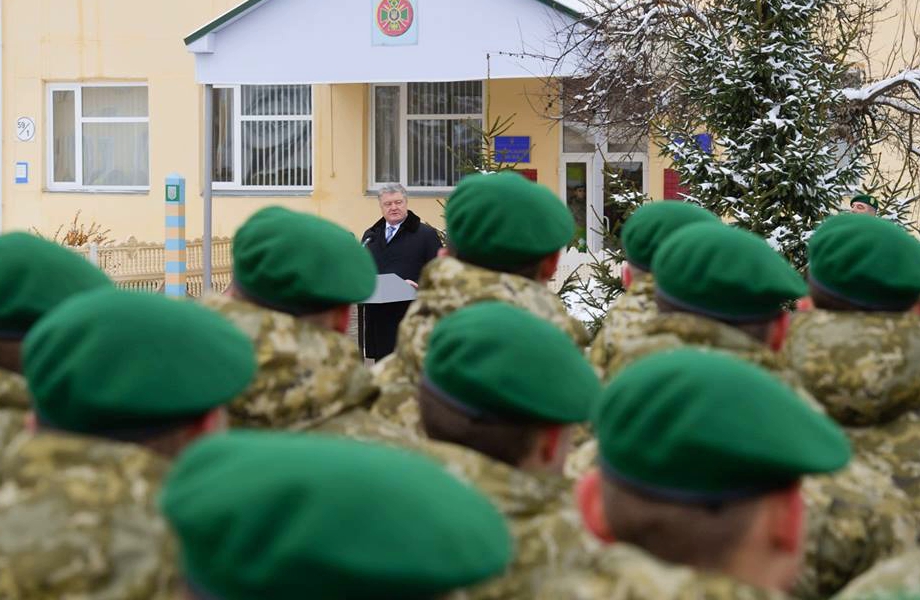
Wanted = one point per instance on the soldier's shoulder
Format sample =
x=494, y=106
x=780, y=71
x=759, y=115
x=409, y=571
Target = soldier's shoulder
x=857, y=517
x=14, y=392
x=624, y=572
x=367, y=426
x=897, y=575
x=51, y=459
x=82, y=518
x=864, y=368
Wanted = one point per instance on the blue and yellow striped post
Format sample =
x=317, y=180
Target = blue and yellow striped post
x=175, y=237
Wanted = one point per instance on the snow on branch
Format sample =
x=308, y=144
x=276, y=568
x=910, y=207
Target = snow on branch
x=869, y=93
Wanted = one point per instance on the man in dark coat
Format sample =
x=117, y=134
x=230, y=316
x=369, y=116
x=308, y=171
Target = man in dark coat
x=400, y=244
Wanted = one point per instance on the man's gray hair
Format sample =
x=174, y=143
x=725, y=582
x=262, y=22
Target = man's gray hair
x=392, y=188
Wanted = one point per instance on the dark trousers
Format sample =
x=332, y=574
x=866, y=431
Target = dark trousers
x=381, y=322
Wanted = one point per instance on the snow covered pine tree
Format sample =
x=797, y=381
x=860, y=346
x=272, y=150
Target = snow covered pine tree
x=776, y=83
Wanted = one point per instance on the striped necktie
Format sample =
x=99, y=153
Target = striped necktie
x=391, y=229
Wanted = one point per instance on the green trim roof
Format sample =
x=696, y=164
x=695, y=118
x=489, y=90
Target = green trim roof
x=252, y=4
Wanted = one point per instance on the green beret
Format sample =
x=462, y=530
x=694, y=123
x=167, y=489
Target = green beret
x=865, y=199
x=499, y=360
x=506, y=220
x=701, y=426
x=299, y=263
x=652, y=223
x=293, y=516
x=724, y=273
x=110, y=361
x=35, y=276
x=870, y=262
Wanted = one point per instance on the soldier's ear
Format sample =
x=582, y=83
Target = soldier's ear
x=341, y=318
x=30, y=422
x=627, y=276
x=787, y=519
x=779, y=329
x=548, y=266
x=590, y=501
x=442, y=252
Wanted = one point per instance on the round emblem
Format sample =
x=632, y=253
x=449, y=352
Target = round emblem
x=395, y=17
x=25, y=129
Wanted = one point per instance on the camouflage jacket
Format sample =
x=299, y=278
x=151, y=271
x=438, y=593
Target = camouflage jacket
x=849, y=528
x=80, y=520
x=633, y=309
x=856, y=518
x=624, y=572
x=865, y=370
x=899, y=575
x=14, y=393
x=549, y=536
x=446, y=285
x=14, y=404
x=305, y=372
x=675, y=330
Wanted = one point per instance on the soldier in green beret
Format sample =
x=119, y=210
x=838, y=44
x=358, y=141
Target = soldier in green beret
x=295, y=279
x=644, y=231
x=864, y=204
x=35, y=276
x=505, y=234
x=723, y=288
x=121, y=382
x=699, y=487
x=858, y=352
x=499, y=395
x=286, y=517
x=720, y=287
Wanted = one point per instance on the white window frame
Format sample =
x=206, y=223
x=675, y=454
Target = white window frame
x=79, y=121
x=238, y=118
x=404, y=119
x=597, y=161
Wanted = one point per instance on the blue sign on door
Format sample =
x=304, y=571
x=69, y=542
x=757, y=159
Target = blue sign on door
x=512, y=149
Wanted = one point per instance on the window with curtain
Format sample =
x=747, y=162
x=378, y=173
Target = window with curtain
x=424, y=133
x=99, y=137
x=263, y=137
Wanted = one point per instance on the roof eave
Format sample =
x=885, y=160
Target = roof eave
x=225, y=19
x=245, y=7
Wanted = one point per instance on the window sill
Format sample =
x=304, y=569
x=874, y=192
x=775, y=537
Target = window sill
x=112, y=191
x=434, y=193
x=301, y=193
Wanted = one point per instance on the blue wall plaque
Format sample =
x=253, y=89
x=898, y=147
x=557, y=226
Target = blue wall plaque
x=512, y=149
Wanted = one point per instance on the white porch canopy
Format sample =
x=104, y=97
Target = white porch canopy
x=308, y=41
x=276, y=42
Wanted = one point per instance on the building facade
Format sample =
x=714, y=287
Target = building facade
x=102, y=99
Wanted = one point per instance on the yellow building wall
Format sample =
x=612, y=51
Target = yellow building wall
x=48, y=41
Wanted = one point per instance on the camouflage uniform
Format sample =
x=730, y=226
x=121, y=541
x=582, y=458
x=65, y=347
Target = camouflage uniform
x=80, y=520
x=675, y=330
x=547, y=529
x=865, y=369
x=14, y=393
x=446, y=285
x=625, y=572
x=305, y=373
x=897, y=575
x=14, y=404
x=856, y=518
x=850, y=527
x=632, y=310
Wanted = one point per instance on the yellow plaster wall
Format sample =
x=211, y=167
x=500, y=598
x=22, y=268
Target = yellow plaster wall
x=49, y=41
x=526, y=101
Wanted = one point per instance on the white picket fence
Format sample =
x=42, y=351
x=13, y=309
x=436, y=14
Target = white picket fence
x=141, y=266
